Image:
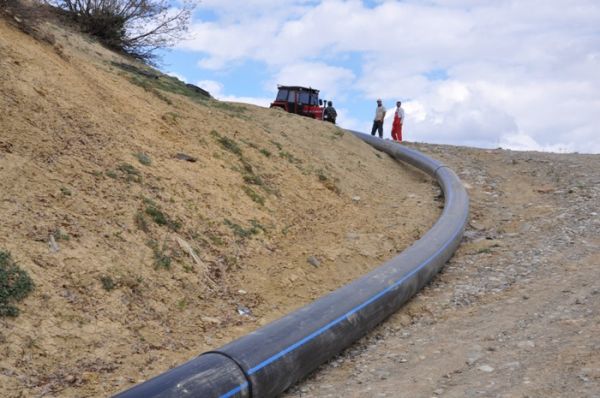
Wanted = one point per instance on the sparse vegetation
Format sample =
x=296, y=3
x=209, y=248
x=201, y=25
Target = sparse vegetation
x=230, y=145
x=253, y=179
x=277, y=144
x=59, y=234
x=230, y=108
x=214, y=238
x=253, y=195
x=128, y=173
x=149, y=86
x=242, y=232
x=65, y=191
x=15, y=285
x=143, y=158
x=160, y=217
x=265, y=152
x=328, y=182
x=107, y=283
x=171, y=118
x=140, y=221
x=291, y=158
x=162, y=259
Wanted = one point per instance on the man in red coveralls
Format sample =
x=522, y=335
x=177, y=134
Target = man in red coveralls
x=398, y=121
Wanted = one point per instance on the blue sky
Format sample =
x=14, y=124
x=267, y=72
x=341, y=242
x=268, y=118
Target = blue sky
x=522, y=74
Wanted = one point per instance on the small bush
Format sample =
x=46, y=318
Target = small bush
x=161, y=257
x=215, y=239
x=15, y=285
x=159, y=217
x=265, y=152
x=107, y=283
x=130, y=173
x=59, y=234
x=277, y=144
x=253, y=195
x=291, y=158
x=253, y=179
x=230, y=145
x=140, y=222
x=143, y=158
x=240, y=231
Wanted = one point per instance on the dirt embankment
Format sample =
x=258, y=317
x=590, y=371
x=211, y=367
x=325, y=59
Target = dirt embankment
x=142, y=258
x=516, y=312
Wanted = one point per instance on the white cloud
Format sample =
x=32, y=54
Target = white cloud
x=177, y=75
x=216, y=89
x=330, y=80
x=516, y=73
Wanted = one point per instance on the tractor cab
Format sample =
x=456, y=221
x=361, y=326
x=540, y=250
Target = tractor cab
x=299, y=100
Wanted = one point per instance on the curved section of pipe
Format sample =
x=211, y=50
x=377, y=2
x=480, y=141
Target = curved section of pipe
x=266, y=362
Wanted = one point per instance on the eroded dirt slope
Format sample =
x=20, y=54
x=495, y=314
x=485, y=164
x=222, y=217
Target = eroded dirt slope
x=142, y=259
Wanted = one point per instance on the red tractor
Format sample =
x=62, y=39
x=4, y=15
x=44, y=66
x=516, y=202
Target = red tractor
x=299, y=100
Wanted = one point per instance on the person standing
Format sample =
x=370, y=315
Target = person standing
x=398, y=122
x=378, y=121
x=329, y=114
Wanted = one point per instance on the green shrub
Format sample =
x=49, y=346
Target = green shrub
x=15, y=285
x=253, y=195
x=161, y=257
x=253, y=179
x=158, y=216
x=129, y=173
x=265, y=152
x=242, y=232
x=230, y=145
x=291, y=158
x=143, y=158
x=107, y=283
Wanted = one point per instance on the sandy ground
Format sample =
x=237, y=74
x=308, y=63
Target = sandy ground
x=515, y=313
x=142, y=260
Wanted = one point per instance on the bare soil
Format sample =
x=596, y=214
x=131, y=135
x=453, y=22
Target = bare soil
x=142, y=260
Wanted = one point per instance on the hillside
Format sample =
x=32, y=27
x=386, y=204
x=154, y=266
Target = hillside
x=157, y=223
x=153, y=219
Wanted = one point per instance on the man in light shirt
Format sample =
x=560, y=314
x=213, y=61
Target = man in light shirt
x=378, y=121
x=398, y=122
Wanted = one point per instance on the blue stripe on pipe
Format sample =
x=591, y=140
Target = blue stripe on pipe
x=346, y=315
x=235, y=391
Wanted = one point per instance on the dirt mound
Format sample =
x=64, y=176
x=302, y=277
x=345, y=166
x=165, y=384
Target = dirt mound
x=157, y=223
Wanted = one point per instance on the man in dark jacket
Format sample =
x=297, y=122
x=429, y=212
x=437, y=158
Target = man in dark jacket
x=330, y=114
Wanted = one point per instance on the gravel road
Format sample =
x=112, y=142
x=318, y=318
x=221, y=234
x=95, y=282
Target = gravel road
x=516, y=311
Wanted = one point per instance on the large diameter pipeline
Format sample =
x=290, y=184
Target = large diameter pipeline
x=266, y=362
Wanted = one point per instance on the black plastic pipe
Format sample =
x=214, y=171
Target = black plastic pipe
x=266, y=362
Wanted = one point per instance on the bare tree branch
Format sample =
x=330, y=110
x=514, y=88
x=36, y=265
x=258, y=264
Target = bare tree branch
x=137, y=27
